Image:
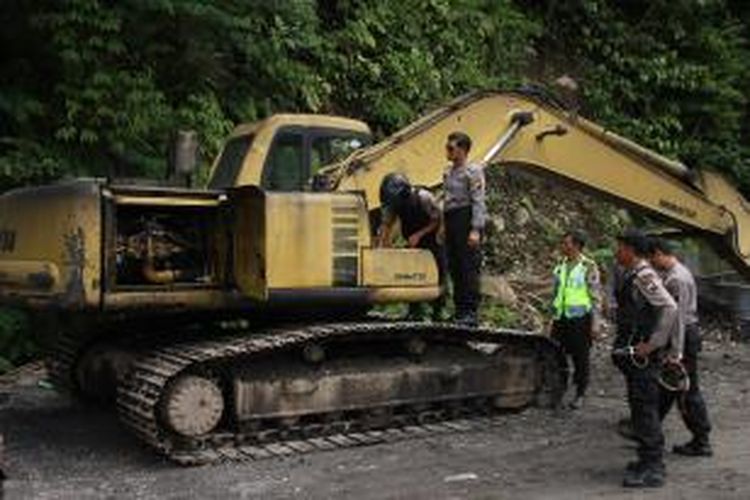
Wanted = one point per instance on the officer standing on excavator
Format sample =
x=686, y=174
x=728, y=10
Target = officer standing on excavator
x=418, y=212
x=465, y=212
x=646, y=314
x=679, y=281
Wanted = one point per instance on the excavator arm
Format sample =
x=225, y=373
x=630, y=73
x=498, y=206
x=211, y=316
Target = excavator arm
x=528, y=131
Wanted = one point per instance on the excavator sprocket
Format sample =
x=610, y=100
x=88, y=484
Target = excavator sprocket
x=315, y=387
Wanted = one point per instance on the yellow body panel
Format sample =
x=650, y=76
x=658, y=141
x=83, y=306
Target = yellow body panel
x=298, y=241
x=389, y=295
x=320, y=241
x=389, y=267
x=22, y=274
x=164, y=200
x=55, y=250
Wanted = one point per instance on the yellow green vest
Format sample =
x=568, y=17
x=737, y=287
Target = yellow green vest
x=572, y=299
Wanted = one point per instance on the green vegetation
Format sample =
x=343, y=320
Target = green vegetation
x=94, y=87
x=499, y=315
x=16, y=345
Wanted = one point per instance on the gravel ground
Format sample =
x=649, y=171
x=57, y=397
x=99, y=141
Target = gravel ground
x=56, y=449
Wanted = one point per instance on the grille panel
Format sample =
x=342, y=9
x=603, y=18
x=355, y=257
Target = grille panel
x=345, y=214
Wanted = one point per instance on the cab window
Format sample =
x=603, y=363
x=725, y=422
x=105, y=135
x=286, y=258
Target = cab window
x=230, y=162
x=285, y=166
x=328, y=149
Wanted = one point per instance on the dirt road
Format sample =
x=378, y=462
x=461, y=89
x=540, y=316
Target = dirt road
x=60, y=450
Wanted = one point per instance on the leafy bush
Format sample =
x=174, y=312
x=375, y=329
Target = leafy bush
x=16, y=344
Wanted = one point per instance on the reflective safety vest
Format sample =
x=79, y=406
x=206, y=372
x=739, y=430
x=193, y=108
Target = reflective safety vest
x=572, y=299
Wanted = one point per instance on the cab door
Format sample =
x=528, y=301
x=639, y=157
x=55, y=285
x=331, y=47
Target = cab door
x=297, y=153
x=287, y=165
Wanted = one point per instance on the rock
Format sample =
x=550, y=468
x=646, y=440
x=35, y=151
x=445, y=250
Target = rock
x=466, y=476
x=624, y=216
x=498, y=288
x=498, y=221
x=567, y=83
x=522, y=216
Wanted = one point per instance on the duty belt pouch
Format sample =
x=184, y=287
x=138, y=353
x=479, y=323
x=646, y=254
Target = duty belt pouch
x=621, y=362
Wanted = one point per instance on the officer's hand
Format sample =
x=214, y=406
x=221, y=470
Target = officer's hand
x=474, y=238
x=643, y=349
x=414, y=240
x=672, y=359
x=440, y=235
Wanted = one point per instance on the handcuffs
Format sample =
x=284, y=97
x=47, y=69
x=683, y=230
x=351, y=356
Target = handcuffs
x=672, y=374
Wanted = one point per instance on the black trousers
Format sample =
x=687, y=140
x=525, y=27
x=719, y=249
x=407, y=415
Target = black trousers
x=574, y=335
x=643, y=398
x=428, y=242
x=690, y=403
x=464, y=262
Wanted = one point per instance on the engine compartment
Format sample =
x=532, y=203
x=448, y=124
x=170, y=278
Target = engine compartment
x=157, y=246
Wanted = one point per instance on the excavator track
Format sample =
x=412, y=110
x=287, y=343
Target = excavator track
x=61, y=359
x=157, y=371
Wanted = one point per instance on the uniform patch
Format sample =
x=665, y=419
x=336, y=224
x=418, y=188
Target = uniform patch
x=648, y=283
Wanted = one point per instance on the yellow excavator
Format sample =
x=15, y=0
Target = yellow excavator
x=231, y=322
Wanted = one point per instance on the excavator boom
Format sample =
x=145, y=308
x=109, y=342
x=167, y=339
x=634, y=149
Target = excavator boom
x=526, y=131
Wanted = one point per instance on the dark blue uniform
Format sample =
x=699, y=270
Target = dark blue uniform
x=645, y=313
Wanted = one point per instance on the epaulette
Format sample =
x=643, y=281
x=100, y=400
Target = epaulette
x=647, y=279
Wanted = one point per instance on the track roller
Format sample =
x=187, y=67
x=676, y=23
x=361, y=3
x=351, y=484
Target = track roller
x=193, y=406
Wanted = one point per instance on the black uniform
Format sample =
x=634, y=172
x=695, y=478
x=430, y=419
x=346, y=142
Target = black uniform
x=414, y=215
x=464, y=261
x=645, y=313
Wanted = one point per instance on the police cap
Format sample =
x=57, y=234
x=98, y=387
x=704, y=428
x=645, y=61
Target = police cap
x=635, y=239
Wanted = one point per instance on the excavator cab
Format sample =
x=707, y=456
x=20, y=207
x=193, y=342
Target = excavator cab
x=283, y=152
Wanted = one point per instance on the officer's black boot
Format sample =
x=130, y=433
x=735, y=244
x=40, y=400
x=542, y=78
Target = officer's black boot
x=625, y=428
x=644, y=475
x=577, y=402
x=695, y=448
x=468, y=318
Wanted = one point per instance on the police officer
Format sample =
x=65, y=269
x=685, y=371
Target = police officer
x=418, y=212
x=465, y=213
x=577, y=308
x=678, y=280
x=646, y=314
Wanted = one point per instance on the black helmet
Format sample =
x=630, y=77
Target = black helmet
x=395, y=188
